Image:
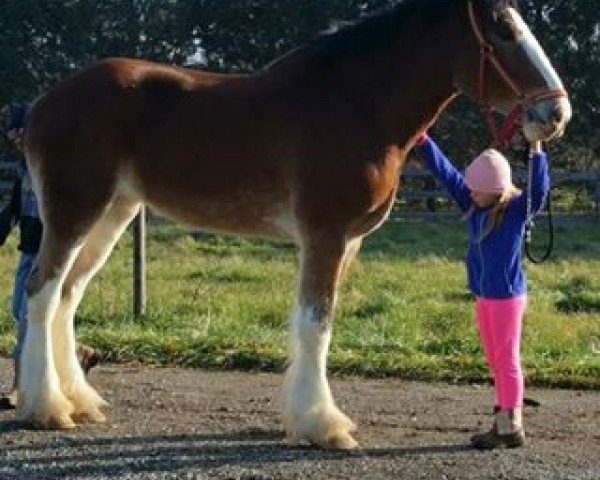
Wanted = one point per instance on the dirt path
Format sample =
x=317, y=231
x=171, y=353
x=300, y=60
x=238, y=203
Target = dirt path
x=192, y=424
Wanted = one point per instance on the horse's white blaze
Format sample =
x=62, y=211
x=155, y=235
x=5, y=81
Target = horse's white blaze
x=40, y=394
x=535, y=52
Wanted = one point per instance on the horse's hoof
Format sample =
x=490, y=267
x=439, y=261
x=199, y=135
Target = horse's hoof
x=54, y=414
x=92, y=415
x=86, y=404
x=341, y=441
x=330, y=430
x=60, y=422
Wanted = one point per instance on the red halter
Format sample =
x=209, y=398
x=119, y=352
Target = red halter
x=503, y=135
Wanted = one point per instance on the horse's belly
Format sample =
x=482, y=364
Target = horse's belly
x=249, y=218
x=235, y=197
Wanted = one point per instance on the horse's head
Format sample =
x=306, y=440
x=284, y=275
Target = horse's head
x=505, y=67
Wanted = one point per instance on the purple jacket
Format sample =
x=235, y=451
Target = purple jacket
x=494, y=262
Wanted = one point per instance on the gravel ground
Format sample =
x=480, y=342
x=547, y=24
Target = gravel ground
x=168, y=423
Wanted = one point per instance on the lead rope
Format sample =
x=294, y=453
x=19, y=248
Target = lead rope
x=529, y=218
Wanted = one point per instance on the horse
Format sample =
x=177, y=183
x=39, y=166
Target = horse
x=308, y=149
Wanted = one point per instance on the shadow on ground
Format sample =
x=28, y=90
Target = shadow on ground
x=71, y=455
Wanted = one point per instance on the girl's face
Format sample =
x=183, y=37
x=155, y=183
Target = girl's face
x=483, y=199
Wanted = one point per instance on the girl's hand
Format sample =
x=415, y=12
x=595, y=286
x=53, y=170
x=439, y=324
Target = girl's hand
x=535, y=147
x=422, y=136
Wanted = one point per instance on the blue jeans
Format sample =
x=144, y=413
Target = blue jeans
x=19, y=300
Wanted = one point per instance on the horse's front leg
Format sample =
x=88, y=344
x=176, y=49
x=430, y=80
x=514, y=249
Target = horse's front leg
x=310, y=412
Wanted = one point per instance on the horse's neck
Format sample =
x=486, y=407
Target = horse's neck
x=393, y=93
x=418, y=102
x=409, y=89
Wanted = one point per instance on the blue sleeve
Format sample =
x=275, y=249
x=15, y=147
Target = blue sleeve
x=540, y=185
x=442, y=169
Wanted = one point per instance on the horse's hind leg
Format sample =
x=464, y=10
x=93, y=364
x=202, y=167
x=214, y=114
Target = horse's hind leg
x=310, y=412
x=40, y=399
x=96, y=249
x=47, y=367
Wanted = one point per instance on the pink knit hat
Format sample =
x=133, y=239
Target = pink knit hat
x=489, y=173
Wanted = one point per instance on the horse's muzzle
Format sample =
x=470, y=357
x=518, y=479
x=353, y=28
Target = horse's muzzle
x=547, y=119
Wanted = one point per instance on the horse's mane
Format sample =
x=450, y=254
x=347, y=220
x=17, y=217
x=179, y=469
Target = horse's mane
x=377, y=31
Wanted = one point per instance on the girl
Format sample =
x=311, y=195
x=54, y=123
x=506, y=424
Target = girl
x=496, y=212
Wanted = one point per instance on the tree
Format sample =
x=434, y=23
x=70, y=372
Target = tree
x=42, y=41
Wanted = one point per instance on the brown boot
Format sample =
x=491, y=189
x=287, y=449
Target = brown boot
x=87, y=356
x=8, y=401
x=507, y=432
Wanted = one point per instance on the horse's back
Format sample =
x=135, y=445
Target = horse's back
x=196, y=146
x=110, y=94
x=244, y=154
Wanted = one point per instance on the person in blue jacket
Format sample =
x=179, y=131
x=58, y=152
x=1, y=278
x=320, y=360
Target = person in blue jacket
x=496, y=213
x=22, y=209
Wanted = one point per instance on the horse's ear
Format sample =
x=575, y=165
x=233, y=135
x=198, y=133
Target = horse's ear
x=505, y=3
x=498, y=4
x=493, y=7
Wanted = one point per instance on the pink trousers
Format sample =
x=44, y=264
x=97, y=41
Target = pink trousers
x=499, y=322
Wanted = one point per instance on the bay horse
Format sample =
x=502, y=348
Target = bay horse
x=308, y=150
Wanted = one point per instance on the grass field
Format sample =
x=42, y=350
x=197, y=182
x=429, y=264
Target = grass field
x=218, y=301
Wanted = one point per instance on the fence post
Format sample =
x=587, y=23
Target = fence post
x=139, y=262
